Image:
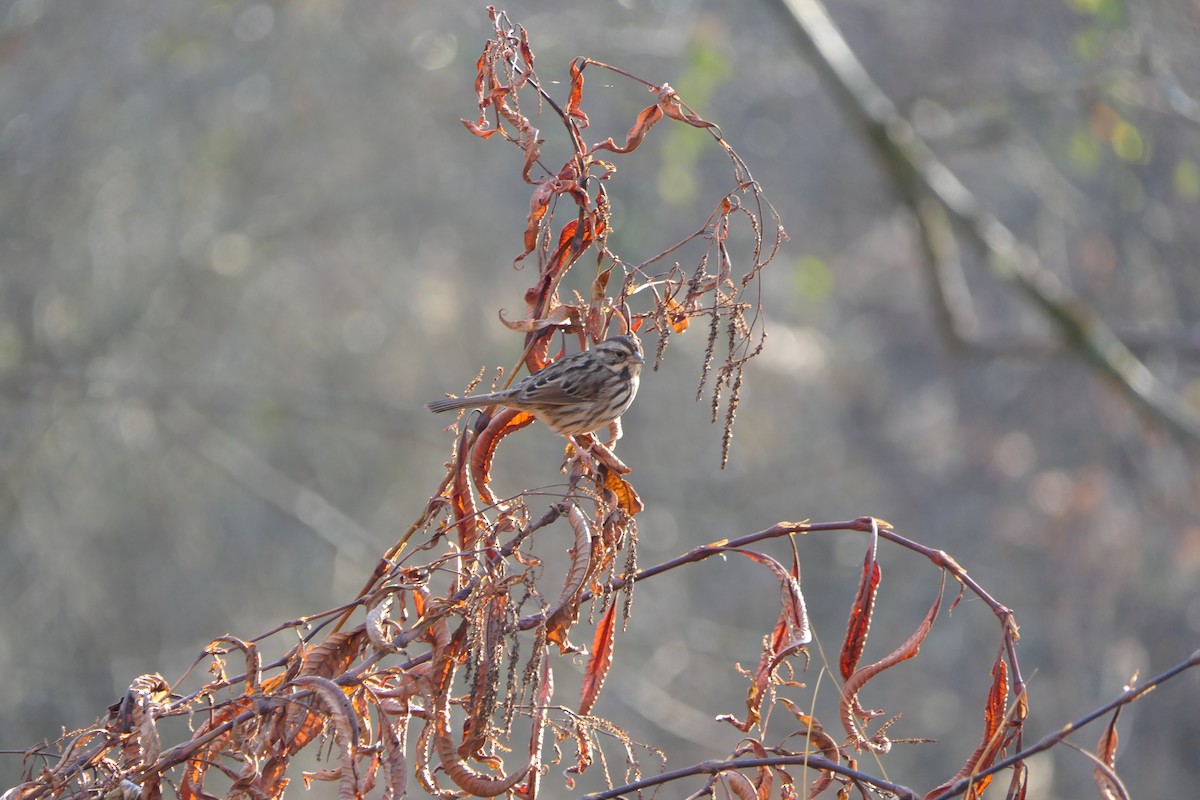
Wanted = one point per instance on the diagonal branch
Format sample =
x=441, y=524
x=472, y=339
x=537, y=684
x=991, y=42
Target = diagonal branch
x=233, y=457
x=920, y=177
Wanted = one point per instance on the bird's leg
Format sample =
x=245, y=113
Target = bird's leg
x=614, y=432
x=589, y=445
x=577, y=460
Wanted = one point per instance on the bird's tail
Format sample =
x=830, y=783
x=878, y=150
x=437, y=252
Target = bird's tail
x=451, y=403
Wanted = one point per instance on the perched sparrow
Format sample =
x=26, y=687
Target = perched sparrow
x=577, y=394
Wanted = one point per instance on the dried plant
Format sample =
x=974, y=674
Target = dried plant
x=448, y=679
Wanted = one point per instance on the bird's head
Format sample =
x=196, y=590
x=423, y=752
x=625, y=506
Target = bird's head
x=621, y=351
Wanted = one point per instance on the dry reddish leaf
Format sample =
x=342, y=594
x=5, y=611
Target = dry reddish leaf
x=1108, y=782
x=677, y=315
x=598, y=296
x=425, y=764
x=739, y=785
x=421, y=600
x=1018, y=786
x=462, y=500
x=270, y=781
x=539, y=205
x=345, y=729
x=627, y=498
x=585, y=754
x=764, y=776
x=600, y=661
x=645, y=121
x=484, y=81
x=334, y=656
x=1105, y=776
x=673, y=107
x=850, y=705
x=300, y=724
x=572, y=242
x=540, y=714
x=792, y=630
x=298, y=728
x=1106, y=748
x=764, y=782
x=531, y=143
x=192, y=785
x=381, y=629
x=561, y=316
x=394, y=763
x=465, y=777
x=324, y=775
x=995, y=733
x=559, y=622
x=480, y=127
x=572, y=108
x=995, y=714
x=500, y=101
x=598, y=317
x=504, y=421
x=793, y=612
x=860, y=616
x=539, y=352
x=669, y=105
x=527, y=56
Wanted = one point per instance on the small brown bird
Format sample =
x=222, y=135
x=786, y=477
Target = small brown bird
x=577, y=394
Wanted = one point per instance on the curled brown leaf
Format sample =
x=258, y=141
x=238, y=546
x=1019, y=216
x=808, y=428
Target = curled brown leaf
x=851, y=708
x=560, y=620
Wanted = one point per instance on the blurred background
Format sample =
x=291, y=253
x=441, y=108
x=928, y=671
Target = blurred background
x=244, y=243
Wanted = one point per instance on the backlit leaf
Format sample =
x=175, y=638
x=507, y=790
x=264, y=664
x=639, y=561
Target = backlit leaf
x=600, y=661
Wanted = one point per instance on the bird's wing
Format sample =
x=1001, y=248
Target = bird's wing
x=561, y=389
